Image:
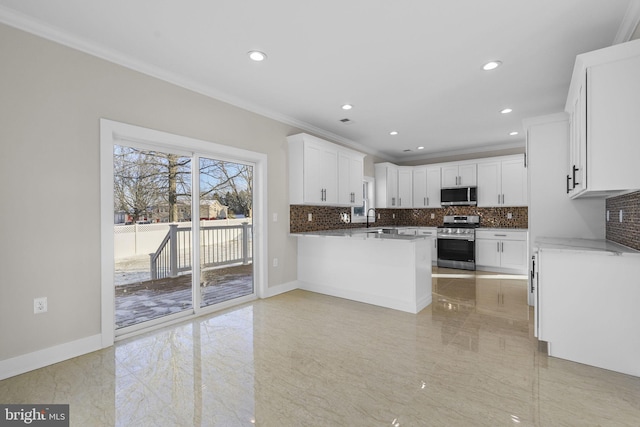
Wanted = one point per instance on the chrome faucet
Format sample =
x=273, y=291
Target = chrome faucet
x=370, y=209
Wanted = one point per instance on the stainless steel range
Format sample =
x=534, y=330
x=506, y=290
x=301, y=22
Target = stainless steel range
x=457, y=242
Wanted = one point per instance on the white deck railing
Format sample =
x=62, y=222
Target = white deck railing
x=219, y=245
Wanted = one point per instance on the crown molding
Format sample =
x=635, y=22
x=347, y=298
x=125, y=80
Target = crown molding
x=465, y=151
x=28, y=24
x=629, y=23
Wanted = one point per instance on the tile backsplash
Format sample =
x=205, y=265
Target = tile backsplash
x=328, y=217
x=627, y=232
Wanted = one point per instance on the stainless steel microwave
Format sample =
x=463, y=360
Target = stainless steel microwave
x=459, y=196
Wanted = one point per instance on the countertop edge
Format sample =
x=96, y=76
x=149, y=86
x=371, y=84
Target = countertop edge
x=584, y=245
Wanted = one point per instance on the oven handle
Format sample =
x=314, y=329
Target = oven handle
x=471, y=239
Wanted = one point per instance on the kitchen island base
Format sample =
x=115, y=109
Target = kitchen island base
x=385, y=272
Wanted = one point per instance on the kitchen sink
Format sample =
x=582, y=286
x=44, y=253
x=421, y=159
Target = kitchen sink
x=384, y=231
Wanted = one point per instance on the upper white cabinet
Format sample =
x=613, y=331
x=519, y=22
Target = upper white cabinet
x=459, y=175
x=604, y=107
x=405, y=187
x=350, y=176
x=502, y=182
x=386, y=175
x=426, y=187
x=322, y=173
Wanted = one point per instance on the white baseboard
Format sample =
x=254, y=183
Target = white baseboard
x=280, y=289
x=48, y=356
x=424, y=302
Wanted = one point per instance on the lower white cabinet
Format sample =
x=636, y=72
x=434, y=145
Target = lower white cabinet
x=433, y=233
x=587, y=303
x=424, y=231
x=502, y=250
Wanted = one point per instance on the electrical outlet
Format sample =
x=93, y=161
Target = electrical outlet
x=275, y=262
x=620, y=215
x=40, y=305
x=509, y=215
x=275, y=217
x=433, y=216
x=394, y=216
x=310, y=217
x=378, y=216
x=607, y=216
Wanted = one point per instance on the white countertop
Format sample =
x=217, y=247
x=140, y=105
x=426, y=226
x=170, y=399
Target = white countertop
x=584, y=245
x=362, y=233
x=501, y=229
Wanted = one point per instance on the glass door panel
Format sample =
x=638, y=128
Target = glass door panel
x=226, y=230
x=152, y=235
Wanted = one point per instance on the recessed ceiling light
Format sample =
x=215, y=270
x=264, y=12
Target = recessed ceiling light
x=420, y=148
x=491, y=65
x=393, y=132
x=347, y=107
x=514, y=133
x=256, y=55
x=506, y=111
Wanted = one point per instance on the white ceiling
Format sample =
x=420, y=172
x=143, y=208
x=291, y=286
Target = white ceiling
x=411, y=66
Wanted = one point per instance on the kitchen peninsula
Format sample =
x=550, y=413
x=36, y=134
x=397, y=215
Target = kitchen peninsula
x=373, y=266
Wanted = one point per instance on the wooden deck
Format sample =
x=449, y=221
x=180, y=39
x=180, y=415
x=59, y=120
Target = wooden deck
x=139, y=302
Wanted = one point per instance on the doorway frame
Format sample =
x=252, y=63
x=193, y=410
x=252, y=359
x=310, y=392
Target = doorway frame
x=112, y=133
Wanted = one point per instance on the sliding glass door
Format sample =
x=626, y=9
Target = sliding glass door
x=226, y=230
x=174, y=255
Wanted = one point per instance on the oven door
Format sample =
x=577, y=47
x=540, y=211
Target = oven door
x=457, y=253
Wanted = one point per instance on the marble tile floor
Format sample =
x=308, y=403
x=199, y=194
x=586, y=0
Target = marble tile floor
x=305, y=359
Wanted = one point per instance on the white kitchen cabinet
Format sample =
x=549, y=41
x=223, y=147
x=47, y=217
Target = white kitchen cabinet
x=502, y=182
x=433, y=233
x=350, y=177
x=604, y=106
x=502, y=250
x=426, y=187
x=547, y=158
x=315, y=177
x=459, y=175
x=405, y=187
x=386, y=175
x=586, y=306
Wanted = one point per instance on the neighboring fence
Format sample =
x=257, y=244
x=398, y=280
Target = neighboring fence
x=142, y=239
x=219, y=245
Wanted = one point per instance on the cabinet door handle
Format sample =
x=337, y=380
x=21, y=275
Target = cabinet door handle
x=501, y=246
x=503, y=199
x=568, y=179
x=498, y=199
x=393, y=201
x=425, y=201
x=498, y=246
x=399, y=201
x=575, y=169
x=500, y=235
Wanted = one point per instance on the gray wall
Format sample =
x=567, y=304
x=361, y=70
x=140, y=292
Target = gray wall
x=52, y=98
